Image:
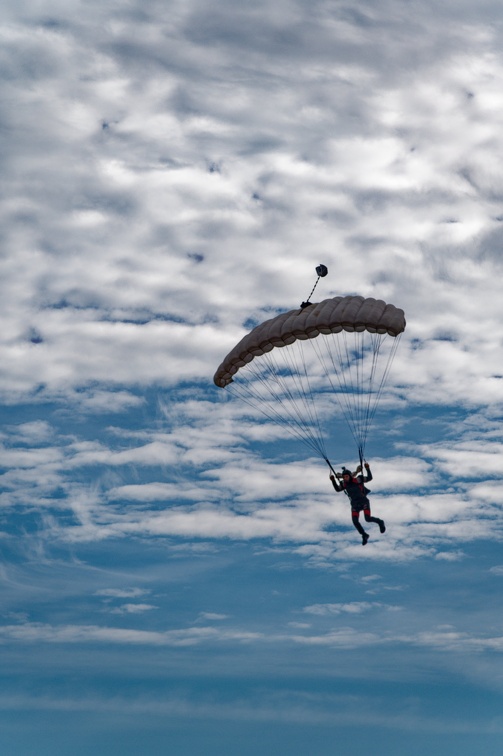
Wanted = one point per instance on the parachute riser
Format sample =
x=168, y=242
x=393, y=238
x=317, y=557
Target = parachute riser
x=362, y=458
x=330, y=466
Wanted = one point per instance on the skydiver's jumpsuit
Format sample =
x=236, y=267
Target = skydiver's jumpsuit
x=357, y=493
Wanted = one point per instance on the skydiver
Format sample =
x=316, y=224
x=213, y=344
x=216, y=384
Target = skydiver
x=354, y=487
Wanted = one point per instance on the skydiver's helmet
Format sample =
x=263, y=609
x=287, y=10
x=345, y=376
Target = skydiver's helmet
x=346, y=472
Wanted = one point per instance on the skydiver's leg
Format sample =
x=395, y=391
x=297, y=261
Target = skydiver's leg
x=356, y=522
x=369, y=518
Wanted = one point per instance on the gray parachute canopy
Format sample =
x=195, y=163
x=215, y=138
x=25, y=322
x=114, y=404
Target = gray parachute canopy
x=347, y=336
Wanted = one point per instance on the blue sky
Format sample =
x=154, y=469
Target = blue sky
x=178, y=576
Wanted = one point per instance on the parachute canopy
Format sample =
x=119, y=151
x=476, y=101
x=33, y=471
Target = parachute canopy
x=330, y=316
x=278, y=377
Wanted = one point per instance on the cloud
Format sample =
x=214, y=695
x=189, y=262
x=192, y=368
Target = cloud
x=122, y=592
x=172, y=174
x=445, y=639
x=30, y=433
x=356, y=607
x=205, y=144
x=133, y=609
x=38, y=632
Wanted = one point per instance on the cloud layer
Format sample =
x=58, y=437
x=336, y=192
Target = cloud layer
x=172, y=173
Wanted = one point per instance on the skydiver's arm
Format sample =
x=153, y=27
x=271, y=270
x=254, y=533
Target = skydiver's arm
x=335, y=485
x=359, y=473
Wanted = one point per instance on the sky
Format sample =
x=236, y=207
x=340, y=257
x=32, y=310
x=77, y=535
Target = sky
x=177, y=574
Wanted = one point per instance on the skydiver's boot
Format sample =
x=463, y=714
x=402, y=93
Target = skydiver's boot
x=382, y=526
x=356, y=523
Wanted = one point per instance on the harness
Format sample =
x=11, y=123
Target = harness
x=361, y=486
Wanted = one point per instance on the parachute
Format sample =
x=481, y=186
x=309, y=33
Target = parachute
x=294, y=366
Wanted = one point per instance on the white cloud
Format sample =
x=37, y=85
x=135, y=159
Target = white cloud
x=355, y=607
x=212, y=616
x=38, y=632
x=420, y=155
x=172, y=174
x=133, y=609
x=122, y=592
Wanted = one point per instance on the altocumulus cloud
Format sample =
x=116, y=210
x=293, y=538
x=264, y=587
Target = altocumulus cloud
x=172, y=172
